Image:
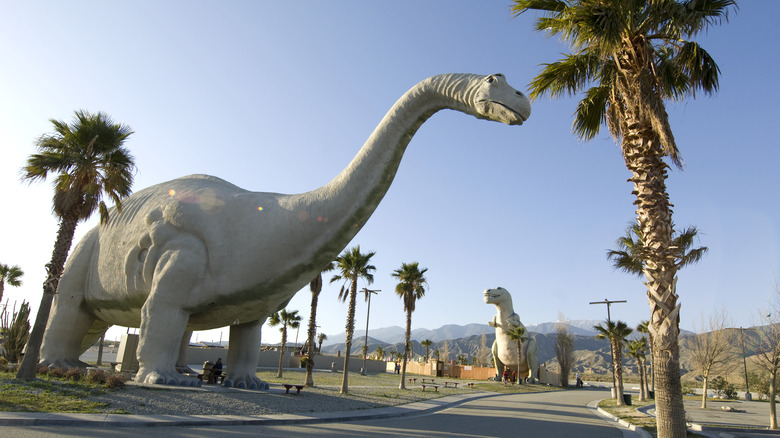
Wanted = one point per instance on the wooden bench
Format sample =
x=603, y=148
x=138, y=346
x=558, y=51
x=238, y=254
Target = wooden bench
x=412, y=379
x=446, y=384
x=289, y=386
x=471, y=384
x=212, y=379
x=426, y=381
x=435, y=387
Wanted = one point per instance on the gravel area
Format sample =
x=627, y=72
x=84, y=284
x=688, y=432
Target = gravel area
x=216, y=400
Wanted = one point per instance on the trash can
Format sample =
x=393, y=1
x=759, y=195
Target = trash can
x=651, y=394
x=627, y=399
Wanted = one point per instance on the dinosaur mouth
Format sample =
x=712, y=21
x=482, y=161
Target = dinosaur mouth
x=511, y=110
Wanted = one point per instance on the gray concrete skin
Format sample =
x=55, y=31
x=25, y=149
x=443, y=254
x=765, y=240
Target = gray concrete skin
x=549, y=414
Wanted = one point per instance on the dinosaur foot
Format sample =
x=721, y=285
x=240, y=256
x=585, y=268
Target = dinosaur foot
x=155, y=377
x=63, y=363
x=244, y=382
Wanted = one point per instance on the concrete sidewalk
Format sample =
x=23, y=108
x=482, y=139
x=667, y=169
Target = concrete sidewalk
x=744, y=415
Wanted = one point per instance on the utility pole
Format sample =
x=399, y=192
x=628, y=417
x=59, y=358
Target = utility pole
x=368, y=293
x=611, y=353
x=748, y=396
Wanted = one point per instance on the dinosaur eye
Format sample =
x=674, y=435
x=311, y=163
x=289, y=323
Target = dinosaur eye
x=490, y=79
x=519, y=93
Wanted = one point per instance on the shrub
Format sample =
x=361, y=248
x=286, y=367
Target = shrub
x=58, y=372
x=74, y=374
x=16, y=332
x=115, y=380
x=724, y=388
x=42, y=370
x=96, y=376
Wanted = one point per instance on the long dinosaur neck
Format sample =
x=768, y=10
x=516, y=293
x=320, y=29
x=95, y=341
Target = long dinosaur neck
x=350, y=198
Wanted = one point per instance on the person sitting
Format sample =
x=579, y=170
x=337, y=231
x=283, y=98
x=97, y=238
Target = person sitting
x=216, y=370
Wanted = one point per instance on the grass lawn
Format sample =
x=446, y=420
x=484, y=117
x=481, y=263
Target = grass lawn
x=48, y=395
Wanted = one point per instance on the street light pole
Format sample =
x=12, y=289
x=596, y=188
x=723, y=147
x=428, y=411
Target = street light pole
x=611, y=353
x=368, y=293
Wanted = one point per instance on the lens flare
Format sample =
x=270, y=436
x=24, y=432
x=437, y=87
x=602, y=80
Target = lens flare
x=259, y=208
x=171, y=192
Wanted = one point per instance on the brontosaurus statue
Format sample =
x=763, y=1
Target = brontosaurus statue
x=505, y=348
x=199, y=253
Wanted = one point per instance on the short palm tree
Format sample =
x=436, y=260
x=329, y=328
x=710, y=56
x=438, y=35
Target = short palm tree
x=638, y=350
x=88, y=161
x=628, y=58
x=11, y=275
x=427, y=344
x=410, y=288
x=315, y=287
x=379, y=353
x=285, y=319
x=322, y=337
x=644, y=328
x=616, y=333
x=351, y=266
x=519, y=335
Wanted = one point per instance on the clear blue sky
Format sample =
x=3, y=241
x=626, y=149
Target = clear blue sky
x=279, y=96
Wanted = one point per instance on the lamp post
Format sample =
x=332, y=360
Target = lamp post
x=748, y=396
x=611, y=353
x=368, y=293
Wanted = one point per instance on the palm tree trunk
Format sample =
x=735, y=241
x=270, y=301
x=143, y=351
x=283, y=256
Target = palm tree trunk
x=282, y=353
x=641, y=364
x=350, y=330
x=54, y=268
x=644, y=158
x=406, y=348
x=617, y=366
x=312, y=331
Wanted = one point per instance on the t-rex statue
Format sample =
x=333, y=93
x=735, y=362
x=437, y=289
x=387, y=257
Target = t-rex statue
x=505, y=348
x=199, y=253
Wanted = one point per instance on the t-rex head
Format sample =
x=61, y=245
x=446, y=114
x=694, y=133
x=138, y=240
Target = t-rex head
x=496, y=296
x=496, y=100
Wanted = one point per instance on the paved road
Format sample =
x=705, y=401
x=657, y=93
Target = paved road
x=550, y=414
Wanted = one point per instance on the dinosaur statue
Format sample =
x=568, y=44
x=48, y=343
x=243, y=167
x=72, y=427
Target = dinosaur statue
x=504, y=348
x=199, y=253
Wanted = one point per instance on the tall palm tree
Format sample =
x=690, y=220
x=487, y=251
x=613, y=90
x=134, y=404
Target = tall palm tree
x=519, y=335
x=285, y=319
x=629, y=57
x=410, y=288
x=616, y=333
x=638, y=350
x=427, y=344
x=351, y=265
x=11, y=275
x=644, y=328
x=315, y=287
x=89, y=161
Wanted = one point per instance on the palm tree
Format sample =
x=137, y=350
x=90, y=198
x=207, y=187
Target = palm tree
x=631, y=247
x=315, y=287
x=89, y=161
x=11, y=275
x=320, y=339
x=379, y=353
x=628, y=258
x=638, y=350
x=616, y=332
x=410, y=288
x=629, y=57
x=644, y=328
x=519, y=335
x=426, y=343
x=351, y=265
x=285, y=319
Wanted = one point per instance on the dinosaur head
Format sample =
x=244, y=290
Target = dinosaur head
x=496, y=296
x=496, y=100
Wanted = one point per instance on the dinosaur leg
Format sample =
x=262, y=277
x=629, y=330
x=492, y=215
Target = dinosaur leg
x=163, y=319
x=181, y=362
x=532, y=361
x=70, y=321
x=243, y=355
x=496, y=361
